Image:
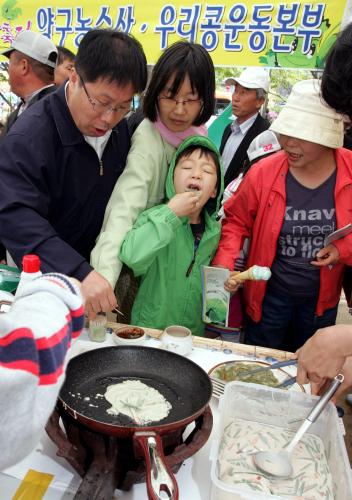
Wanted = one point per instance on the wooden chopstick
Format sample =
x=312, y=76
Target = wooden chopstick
x=119, y=312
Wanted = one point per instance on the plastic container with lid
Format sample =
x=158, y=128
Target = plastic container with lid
x=30, y=270
x=283, y=409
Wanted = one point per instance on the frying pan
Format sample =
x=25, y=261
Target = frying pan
x=183, y=384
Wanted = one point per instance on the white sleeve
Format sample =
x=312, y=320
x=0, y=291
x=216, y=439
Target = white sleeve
x=230, y=189
x=146, y=168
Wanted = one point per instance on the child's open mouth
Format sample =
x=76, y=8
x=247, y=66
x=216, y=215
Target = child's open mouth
x=192, y=187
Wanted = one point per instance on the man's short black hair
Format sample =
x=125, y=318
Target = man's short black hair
x=179, y=60
x=204, y=151
x=337, y=77
x=64, y=54
x=112, y=55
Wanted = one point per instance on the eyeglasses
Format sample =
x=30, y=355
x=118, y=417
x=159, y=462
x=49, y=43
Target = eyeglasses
x=186, y=103
x=100, y=107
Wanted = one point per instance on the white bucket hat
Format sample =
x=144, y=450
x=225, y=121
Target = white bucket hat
x=36, y=46
x=265, y=143
x=306, y=116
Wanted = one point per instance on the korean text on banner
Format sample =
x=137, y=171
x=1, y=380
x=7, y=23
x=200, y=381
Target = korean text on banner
x=244, y=33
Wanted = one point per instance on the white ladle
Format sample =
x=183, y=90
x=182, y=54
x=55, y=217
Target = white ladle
x=278, y=463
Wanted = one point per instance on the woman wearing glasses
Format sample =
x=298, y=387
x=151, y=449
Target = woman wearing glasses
x=177, y=104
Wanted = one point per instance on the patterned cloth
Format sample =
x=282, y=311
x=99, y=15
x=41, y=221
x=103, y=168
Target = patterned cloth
x=35, y=336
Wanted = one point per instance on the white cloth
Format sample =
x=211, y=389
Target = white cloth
x=98, y=143
x=230, y=189
x=241, y=261
x=238, y=131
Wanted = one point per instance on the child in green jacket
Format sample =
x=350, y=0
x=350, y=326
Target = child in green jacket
x=169, y=243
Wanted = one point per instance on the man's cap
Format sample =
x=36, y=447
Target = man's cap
x=264, y=144
x=252, y=78
x=36, y=46
x=306, y=116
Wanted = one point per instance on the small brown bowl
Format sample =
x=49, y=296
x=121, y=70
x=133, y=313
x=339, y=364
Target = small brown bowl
x=129, y=335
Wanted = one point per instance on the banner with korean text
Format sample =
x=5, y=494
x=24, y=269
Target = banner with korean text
x=245, y=33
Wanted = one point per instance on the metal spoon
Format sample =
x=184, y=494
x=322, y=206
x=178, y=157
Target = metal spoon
x=278, y=463
x=273, y=366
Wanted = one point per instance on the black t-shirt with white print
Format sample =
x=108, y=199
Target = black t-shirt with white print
x=309, y=218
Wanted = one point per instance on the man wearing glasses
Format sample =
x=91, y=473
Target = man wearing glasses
x=59, y=164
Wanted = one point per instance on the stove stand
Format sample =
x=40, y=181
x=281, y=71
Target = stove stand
x=106, y=462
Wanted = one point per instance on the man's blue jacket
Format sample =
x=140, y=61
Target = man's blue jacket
x=52, y=196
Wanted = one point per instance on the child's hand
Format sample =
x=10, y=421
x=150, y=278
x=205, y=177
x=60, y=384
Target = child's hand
x=327, y=256
x=231, y=285
x=183, y=204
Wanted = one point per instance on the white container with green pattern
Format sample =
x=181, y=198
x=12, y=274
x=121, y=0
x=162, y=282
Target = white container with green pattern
x=254, y=417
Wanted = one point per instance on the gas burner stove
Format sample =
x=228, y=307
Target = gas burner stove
x=106, y=462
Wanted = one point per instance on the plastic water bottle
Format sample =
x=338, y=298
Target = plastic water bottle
x=30, y=270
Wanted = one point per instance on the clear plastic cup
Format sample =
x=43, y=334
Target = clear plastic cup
x=97, y=328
